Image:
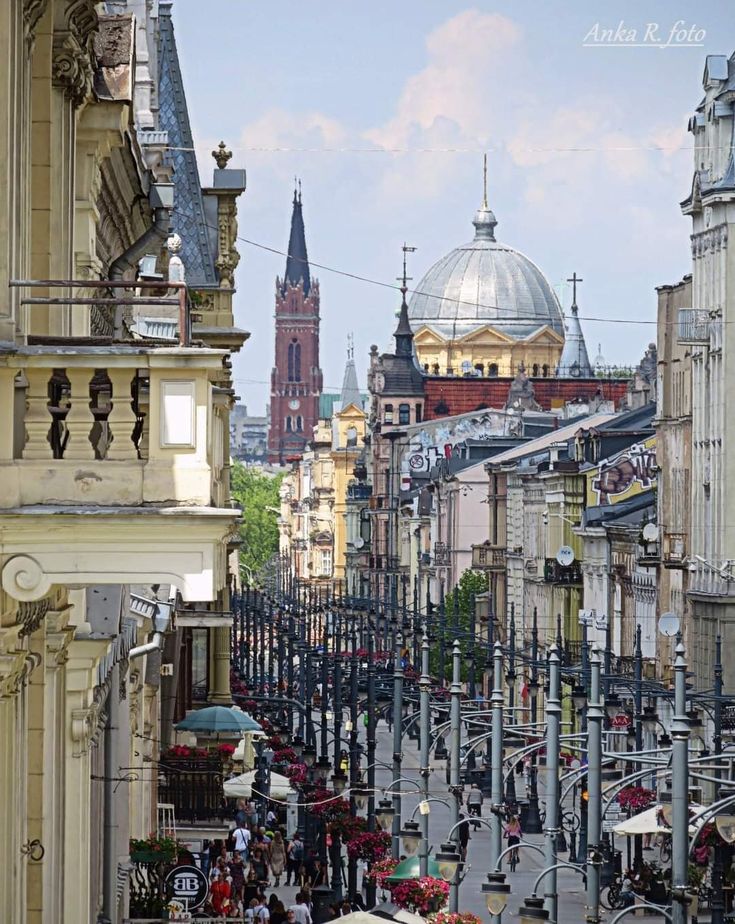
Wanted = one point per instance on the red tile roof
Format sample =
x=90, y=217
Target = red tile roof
x=462, y=395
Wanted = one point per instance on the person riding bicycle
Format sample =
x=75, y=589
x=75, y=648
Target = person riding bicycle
x=474, y=801
x=513, y=834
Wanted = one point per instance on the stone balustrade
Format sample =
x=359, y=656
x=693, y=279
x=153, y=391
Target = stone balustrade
x=110, y=426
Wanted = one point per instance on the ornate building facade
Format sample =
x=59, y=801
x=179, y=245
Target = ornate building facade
x=296, y=379
x=114, y=503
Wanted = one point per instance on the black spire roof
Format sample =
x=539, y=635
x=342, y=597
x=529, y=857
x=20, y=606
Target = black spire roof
x=404, y=334
x=297, y=261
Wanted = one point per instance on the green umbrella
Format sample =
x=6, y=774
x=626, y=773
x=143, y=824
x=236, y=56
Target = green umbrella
x=216, y=719
x=410, y=868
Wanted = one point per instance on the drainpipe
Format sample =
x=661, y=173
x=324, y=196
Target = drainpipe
x=109, y=836
x=161, y=200
x=161, y=624
x=156, y=644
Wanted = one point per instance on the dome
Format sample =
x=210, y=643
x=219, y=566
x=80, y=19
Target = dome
x=485, y=282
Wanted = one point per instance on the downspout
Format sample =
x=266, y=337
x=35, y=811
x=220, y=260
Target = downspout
x=156, y=644
x=161, y=200
x=109, y=836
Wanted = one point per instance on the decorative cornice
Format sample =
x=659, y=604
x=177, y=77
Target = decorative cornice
x=31, y=613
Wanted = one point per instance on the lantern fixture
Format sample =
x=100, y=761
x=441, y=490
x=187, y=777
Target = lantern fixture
x=384, y=814
x=339, y=782
x=532, y=911
x=496, y=891
x=579, y=697
x=725, y=818
x=309, y=755
x=410, y=838
x=448, y=860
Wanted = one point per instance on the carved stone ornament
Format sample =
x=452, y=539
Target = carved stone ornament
x=33, y=10
x=72, y=68
x=221, y=155
x=31, y=613
x=227, y=255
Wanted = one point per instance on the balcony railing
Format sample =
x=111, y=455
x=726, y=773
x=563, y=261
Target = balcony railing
x=488, y=557
x=569, y=575
x=675, y=549
x=694, y=325
x=441, y=554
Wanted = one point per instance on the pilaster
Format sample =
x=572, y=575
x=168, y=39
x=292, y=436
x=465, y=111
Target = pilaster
x=220, y=693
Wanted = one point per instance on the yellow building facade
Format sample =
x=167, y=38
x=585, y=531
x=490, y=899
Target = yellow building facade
x=114, y=499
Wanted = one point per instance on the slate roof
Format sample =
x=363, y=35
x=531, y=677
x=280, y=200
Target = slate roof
x=198, y=249
x=297, y=261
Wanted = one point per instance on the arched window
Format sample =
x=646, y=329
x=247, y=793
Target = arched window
x=294, y=361
x=545, y=370
x=299, y=423
x=479, y=368
x=492, y=370
x=404, y=414
x=534, y=370
x=289, y=424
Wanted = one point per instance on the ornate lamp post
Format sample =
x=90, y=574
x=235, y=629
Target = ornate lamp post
x=553, y=718
x=680, y=792
x=397, y=742
x=424, y=771
x=454, y=787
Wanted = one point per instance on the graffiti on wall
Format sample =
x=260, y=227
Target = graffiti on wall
x=621, y=477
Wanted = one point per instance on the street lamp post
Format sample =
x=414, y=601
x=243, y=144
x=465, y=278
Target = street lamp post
x=354, y=755
x=679, y=793
x=496, y=824
x=371, y=747
x=454, y=787
x=510, y=788
x=717, y=907
x=533, y=819
x=595, y=717
x=424, y=771
x=553, y=720
x=397, y=743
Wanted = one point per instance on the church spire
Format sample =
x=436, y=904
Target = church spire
x=297, y=261
x=574, y=361
x=350, y=389
x=484, y=220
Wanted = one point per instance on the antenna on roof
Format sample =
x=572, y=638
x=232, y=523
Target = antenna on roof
x=484, y=181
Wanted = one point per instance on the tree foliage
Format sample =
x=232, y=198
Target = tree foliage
x=255, y=492
x=458, y=605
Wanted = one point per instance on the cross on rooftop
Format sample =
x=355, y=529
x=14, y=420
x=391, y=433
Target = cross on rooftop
x=574, y=280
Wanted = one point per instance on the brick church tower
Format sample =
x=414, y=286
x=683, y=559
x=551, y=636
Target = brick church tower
x=296, y=379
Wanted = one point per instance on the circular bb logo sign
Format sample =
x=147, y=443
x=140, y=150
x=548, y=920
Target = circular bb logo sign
x=189, y=884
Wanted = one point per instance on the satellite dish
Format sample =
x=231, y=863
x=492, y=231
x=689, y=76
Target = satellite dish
x=650, y=532
x=668, y=624
x=359, y=542
x=565, y=556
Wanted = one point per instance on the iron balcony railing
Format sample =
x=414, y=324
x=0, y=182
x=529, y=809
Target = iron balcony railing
x=568, y=575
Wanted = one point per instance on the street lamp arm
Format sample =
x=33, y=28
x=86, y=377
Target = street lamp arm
x=518, y=846
x=641, y=903
x=482, y=821
x=402, y=779
x=424, y=801
x=550, y=869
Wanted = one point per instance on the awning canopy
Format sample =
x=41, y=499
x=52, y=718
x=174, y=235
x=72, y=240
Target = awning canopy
x=647, y=823
x=241, y=787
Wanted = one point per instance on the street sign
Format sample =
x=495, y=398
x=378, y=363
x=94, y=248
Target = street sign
x=611, y=820
x=189, y=885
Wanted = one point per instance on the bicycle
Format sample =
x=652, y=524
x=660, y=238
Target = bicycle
x=513, y=859
x=612, y=897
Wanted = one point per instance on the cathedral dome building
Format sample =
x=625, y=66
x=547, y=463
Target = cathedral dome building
x=484, y=309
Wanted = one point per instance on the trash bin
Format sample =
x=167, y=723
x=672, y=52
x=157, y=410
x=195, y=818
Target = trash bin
x=321, y=897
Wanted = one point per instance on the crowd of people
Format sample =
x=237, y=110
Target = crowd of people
x=253, y=861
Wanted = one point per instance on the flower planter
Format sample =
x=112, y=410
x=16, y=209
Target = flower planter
x=152, y=856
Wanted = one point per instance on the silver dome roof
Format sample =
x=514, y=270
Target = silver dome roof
x=485, y=282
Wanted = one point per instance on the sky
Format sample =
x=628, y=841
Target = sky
x=384, y=110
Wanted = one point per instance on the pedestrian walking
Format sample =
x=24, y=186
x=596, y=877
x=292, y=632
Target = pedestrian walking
x=278, y=858
x=295, y=861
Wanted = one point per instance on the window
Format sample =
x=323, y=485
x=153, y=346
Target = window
x=388, y=413
x=534, y=370
x=479, y=368
x=325, y=563
x=299, y=423
x=545, y=370
x=418, y=413
x=404, y=414
x=492, y=370
x=294, y=361
x=289, y=424
x=436, y=368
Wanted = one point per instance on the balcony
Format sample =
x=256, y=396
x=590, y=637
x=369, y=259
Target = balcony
x=441, y=554
x=111, y=468
x=694, y=325
x=358, y=492
x=488, y=557
x=567, y=576
x=675, y=550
